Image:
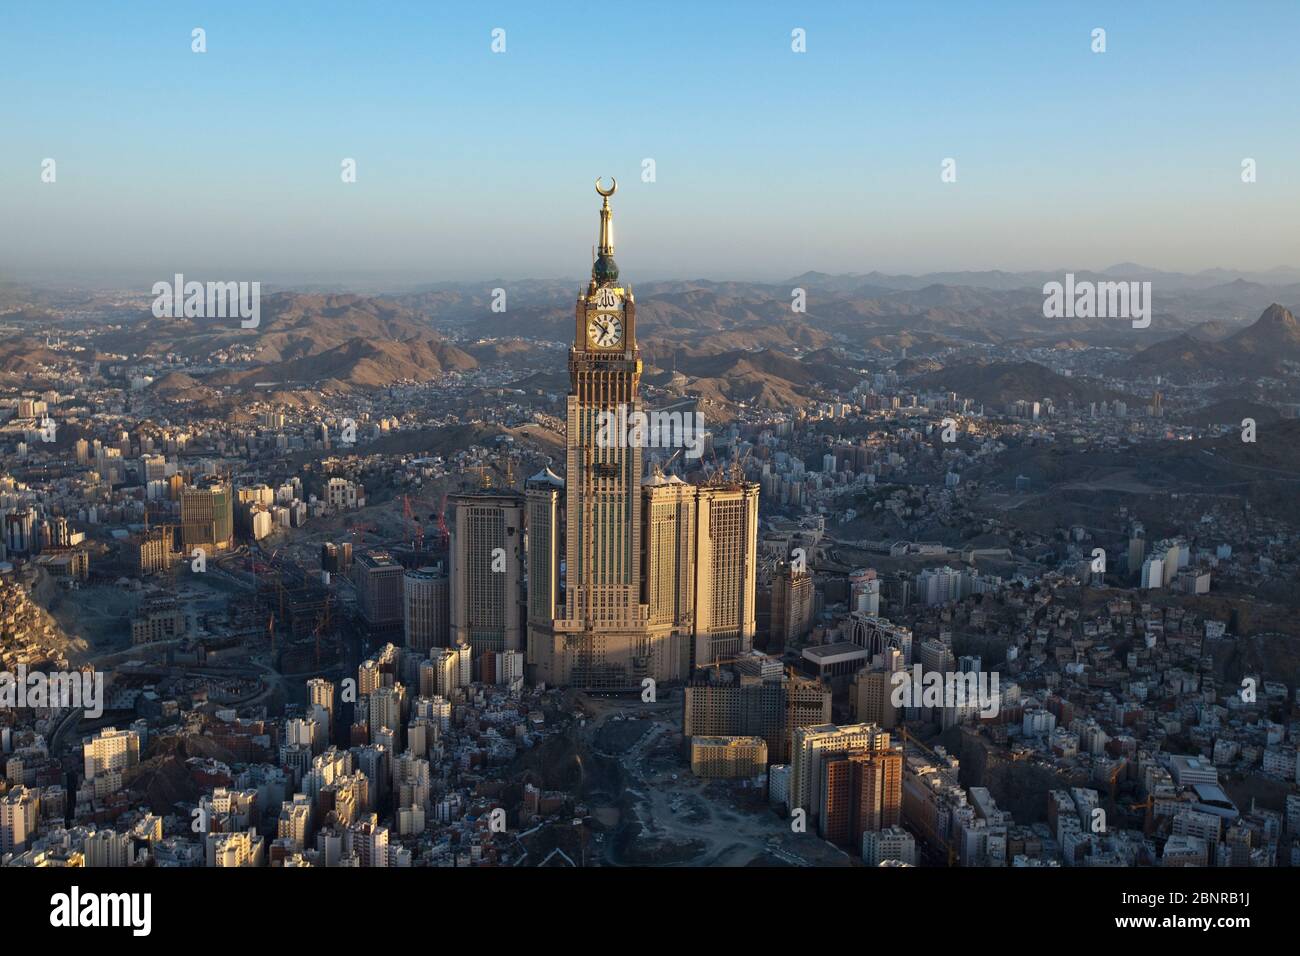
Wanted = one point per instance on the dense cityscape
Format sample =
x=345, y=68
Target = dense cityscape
x=897, y=627
x=887, y=474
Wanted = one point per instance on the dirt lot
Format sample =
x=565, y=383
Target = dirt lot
x=666, y=816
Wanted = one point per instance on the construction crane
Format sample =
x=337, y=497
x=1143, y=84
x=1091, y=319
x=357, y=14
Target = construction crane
x=444, y=536
x=738, y=464
x=1113, y=779
x=1148, y=821
x=662, y=469
x=409, y=515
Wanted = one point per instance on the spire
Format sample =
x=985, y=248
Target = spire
x=606, y=245
x=605, y=269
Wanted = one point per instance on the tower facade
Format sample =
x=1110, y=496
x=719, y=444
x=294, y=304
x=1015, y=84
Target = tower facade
x=668, y=566
x=487, y=570
x=725, y=570
x=427, y=599
x=544, y=497
x=658, y=576
x=207, y=515
x=601, y=638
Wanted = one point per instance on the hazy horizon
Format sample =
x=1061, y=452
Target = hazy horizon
x=379, y=283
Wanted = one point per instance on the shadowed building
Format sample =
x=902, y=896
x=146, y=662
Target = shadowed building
x=207, y=516
x=487, y=571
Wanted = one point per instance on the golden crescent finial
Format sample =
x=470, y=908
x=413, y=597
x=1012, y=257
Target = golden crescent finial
x=612, y=189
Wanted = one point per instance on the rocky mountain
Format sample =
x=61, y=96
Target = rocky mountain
x=361, y=362
x=999, y=383
x=1258, y=349
x=757, y=379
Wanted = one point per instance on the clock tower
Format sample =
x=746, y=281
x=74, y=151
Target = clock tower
x=606, y=312
x=658, y=575
x=600, y=638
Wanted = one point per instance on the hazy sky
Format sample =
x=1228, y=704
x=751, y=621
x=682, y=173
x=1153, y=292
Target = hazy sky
x=472, y=164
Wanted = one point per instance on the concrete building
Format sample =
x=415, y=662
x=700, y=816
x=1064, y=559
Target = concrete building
x=813, y=745
x=752, y=707
x=891, y=843
x=427, y=596
x=207, y=516
x=668, y=571
x=792, y=607
x=487, y=571
x=728, y=757
x=725, y=570
x=379, y=580
x=861, y=790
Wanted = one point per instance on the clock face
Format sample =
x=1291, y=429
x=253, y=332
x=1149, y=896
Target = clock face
x=605, y=330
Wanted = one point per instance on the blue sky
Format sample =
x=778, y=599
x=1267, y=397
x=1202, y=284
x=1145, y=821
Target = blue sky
x=769, y=163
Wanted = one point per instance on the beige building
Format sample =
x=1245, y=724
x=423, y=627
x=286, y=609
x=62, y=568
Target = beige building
x=19, y=809
x=812, y=746
x=544, y=544
x=792, y=607
x=343, y=495
x=726, y=562
x=659, y=575
x=750, y=706
x=207, y=516
x=150, y=551
x=158, y=619
x=891, y=844
x=487, y=571
x=320, y=693
x=728, y=757
x=245, y=848
x=110, y=749
x=871, y=694
x=668, y=566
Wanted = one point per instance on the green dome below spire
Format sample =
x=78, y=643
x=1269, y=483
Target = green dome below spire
x=604, y=269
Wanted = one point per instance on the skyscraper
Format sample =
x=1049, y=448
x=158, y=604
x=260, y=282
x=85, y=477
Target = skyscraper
x=207, y=515
x=379, y=581
x=20, y=531
x=320, y=695
x=659, y=575
x=726, y=535
x=813, y=746
x=792, y=607
x=668, y=540
x=1137, y=549
x=861, y=791
x=487, y=569
x=602, y=640
x=544, y=494
x=426, y=593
